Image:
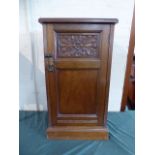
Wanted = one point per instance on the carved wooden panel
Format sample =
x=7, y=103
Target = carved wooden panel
x=77, y=44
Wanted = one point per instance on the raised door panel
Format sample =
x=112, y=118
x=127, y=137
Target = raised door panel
x=77, y=91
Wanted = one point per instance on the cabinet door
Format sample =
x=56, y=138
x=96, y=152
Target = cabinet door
x=76, y=63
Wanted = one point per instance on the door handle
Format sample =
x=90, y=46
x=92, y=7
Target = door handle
x=50, y=62
x=48, y=55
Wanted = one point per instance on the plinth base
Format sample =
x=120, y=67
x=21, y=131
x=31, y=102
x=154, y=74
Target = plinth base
x=78, y=132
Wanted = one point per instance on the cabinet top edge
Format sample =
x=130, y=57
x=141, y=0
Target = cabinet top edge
x=79, y=20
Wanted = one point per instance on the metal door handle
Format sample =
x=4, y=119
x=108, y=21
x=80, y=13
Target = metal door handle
x=50, y=59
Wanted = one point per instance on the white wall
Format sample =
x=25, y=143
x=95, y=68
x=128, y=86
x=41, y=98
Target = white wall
x=32, y=81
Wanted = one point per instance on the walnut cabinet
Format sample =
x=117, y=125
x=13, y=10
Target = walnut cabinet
x=77, y=56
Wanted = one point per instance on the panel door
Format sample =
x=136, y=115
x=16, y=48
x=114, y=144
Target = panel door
x=76, y=63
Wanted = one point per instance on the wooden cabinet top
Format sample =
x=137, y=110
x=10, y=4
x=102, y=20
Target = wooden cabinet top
x=79, y=20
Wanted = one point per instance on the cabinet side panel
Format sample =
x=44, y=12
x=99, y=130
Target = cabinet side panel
x=111, y=37
x=51, y=76
x=46, y=73
x=102, y=81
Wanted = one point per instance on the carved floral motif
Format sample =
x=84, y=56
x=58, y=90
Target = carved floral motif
x=77, y=45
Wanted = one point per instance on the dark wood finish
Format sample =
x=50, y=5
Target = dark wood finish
x=131, y=87
x=79, y=20
x=79, y=64
x=128, y=65
x=78, y=55
x=77, y=45
x=74, y=87
x=81, y=133
x=108, y=73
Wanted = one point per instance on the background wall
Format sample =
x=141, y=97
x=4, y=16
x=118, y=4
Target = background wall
x=31, y=63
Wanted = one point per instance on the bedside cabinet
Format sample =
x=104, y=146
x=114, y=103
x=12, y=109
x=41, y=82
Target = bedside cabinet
x=77, y=56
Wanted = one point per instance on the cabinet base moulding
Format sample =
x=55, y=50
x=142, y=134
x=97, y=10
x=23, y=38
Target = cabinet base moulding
x=81, y=133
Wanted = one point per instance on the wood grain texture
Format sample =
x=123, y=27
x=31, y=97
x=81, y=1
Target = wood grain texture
x=46, y=75
x=77, y=116
x=78, y=86
x=78, y=64
x=102, y=78
x=109, y=61
x=51, y=77
x=78, y=133
x=77, y=89
x=79, y=20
